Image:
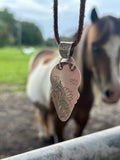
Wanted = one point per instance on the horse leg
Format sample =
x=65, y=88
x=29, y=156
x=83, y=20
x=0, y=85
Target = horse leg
x=44, y=124
x=40, y=122
x=58, y=125
x=81, y=123
x=59, y=128
x=82, y=111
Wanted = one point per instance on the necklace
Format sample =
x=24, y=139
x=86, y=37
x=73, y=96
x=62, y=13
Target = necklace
x=65, y=76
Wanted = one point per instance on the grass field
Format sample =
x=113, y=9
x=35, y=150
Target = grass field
x=14, y=66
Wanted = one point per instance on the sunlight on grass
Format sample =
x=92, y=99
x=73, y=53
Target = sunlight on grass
x=14, y=66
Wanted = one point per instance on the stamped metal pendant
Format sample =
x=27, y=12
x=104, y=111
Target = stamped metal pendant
x=65, y=80
x=65, y=77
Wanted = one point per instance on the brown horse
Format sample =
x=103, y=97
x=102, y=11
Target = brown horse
x=97, y=56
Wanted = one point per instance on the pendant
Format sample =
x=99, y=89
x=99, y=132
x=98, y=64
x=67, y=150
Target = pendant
x=65, y=80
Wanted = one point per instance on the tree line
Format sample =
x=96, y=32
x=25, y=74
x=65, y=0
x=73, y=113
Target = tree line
x=14, y=32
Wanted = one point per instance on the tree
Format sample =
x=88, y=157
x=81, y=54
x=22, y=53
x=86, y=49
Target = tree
x=13, y=31
x=31, y=34
x=8, y=18
x=50, y=42
x=7, y=28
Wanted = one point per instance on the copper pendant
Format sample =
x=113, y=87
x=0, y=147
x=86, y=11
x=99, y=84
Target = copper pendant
x=65, y=80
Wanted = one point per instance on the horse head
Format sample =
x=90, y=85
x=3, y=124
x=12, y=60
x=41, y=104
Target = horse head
x=103, y=55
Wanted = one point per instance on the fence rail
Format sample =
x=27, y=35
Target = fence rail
x=103, y=145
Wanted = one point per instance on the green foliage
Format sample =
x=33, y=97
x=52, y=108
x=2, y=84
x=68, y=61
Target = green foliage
x=11, y=31
x=67, y=39
x=8, y=18
x=3, y=28
x=31, y=34
x=51, y=42
x=13, y=66
x=7, y=28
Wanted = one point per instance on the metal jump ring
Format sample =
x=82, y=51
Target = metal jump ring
x=71, y=59
x=59, y=64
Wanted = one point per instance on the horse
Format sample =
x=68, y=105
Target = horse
x=97, y=56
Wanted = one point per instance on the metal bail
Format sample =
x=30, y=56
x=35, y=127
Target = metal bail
x=64, y=49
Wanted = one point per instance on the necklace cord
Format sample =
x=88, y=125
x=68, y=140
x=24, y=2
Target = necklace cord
x=55, y=11
x=80, y=26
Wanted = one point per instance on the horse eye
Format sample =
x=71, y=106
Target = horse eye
x=95, y=48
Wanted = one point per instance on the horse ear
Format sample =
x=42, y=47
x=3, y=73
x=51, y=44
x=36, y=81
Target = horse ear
x=94, y=16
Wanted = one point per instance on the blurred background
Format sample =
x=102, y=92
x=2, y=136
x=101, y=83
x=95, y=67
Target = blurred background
x=26, y=26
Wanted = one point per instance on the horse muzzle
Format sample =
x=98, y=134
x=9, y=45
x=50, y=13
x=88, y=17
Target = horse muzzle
x=110, y=100
x=112, y=93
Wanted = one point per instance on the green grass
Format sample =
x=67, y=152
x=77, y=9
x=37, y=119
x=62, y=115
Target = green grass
x=14, y=66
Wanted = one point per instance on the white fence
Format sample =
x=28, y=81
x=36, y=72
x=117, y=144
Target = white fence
x=104, y=145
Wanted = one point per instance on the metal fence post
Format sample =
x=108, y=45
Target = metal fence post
x=103, y=145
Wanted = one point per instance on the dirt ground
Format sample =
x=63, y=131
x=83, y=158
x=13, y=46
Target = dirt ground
x=18, y=130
